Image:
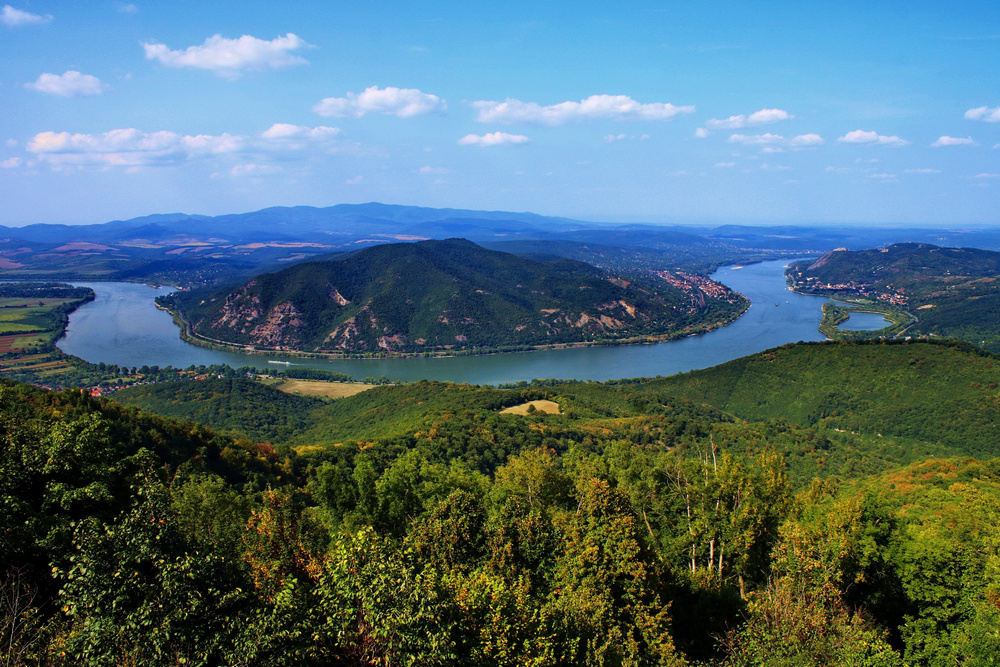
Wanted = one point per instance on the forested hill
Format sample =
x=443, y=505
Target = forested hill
x=952, y=292
x=425, y=526
x=900, y=263
x=448, y=295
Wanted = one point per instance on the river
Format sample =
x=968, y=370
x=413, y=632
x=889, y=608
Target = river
x=123, y=326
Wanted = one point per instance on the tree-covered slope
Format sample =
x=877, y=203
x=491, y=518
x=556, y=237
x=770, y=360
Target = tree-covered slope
x=952, y=292
x=244, y=406
x=439, y=295
x=417, y=524
x=941, y=393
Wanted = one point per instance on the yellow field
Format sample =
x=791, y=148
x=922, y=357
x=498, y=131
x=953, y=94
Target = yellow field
x=548, y=407
x=320, y=388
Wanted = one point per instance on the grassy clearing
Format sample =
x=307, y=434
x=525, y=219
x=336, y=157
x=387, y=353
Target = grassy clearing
x=320, y=388
x=548, y=407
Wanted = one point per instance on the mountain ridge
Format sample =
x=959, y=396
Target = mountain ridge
x=443, y=295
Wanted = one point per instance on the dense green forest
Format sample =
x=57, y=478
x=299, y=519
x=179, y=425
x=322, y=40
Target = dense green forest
x=447, y=295
x=415, y=524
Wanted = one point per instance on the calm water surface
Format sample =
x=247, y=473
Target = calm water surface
x=864, y=322
x=123, y=326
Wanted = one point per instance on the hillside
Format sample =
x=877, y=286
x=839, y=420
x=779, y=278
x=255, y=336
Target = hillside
x=244, y=406
x=634, y=527
x=890, y=392
x=446, y=295
x=952, y=292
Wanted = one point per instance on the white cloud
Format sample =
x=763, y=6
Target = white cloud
x=229, y=57
x=127, y=8
x=756, y=139
x=355, y=181
x=806, y=140
x=492, y=139
x=921, y=171
x=984, y=114
x=954, y=141
x=285, y=131
x=611, y=138
x=762, y=117
x=700, y=133
x=725, y=164
x=11, y=163
x=402, y=102
x=16, y=17
x=70, y=84
x=132, y=148
x=864, y=137
x=12, y=143
x=987, y=175
x=618, y=107
x=882, y=176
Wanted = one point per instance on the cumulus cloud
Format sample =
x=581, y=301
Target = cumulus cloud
x=70, y=84
x=806, y=140
x=230, y=57
x=15, y=17
x=128, y=147
x=402, y=102
x=133, y=148
x=11, y=163
x=762, y=117
x=611, y=138
x=777, y=141
x=617, y=107
x=284, y=131
x=492, y=139
x=985, y=114
x=954, y=141
x=865, y=137
x=701, y=133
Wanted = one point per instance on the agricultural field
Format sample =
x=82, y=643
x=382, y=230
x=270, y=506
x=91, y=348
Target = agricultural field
x=32, y=317
x=321, y=388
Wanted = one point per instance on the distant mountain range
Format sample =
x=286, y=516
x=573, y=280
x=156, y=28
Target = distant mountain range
x=446, y=295
x=194, y=250
x=336, y=224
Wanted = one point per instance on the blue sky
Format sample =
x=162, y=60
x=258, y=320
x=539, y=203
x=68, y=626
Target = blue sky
x=676, y=112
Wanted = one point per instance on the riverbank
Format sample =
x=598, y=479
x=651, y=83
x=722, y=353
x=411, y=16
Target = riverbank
x=124, y=327
x=188, y=335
